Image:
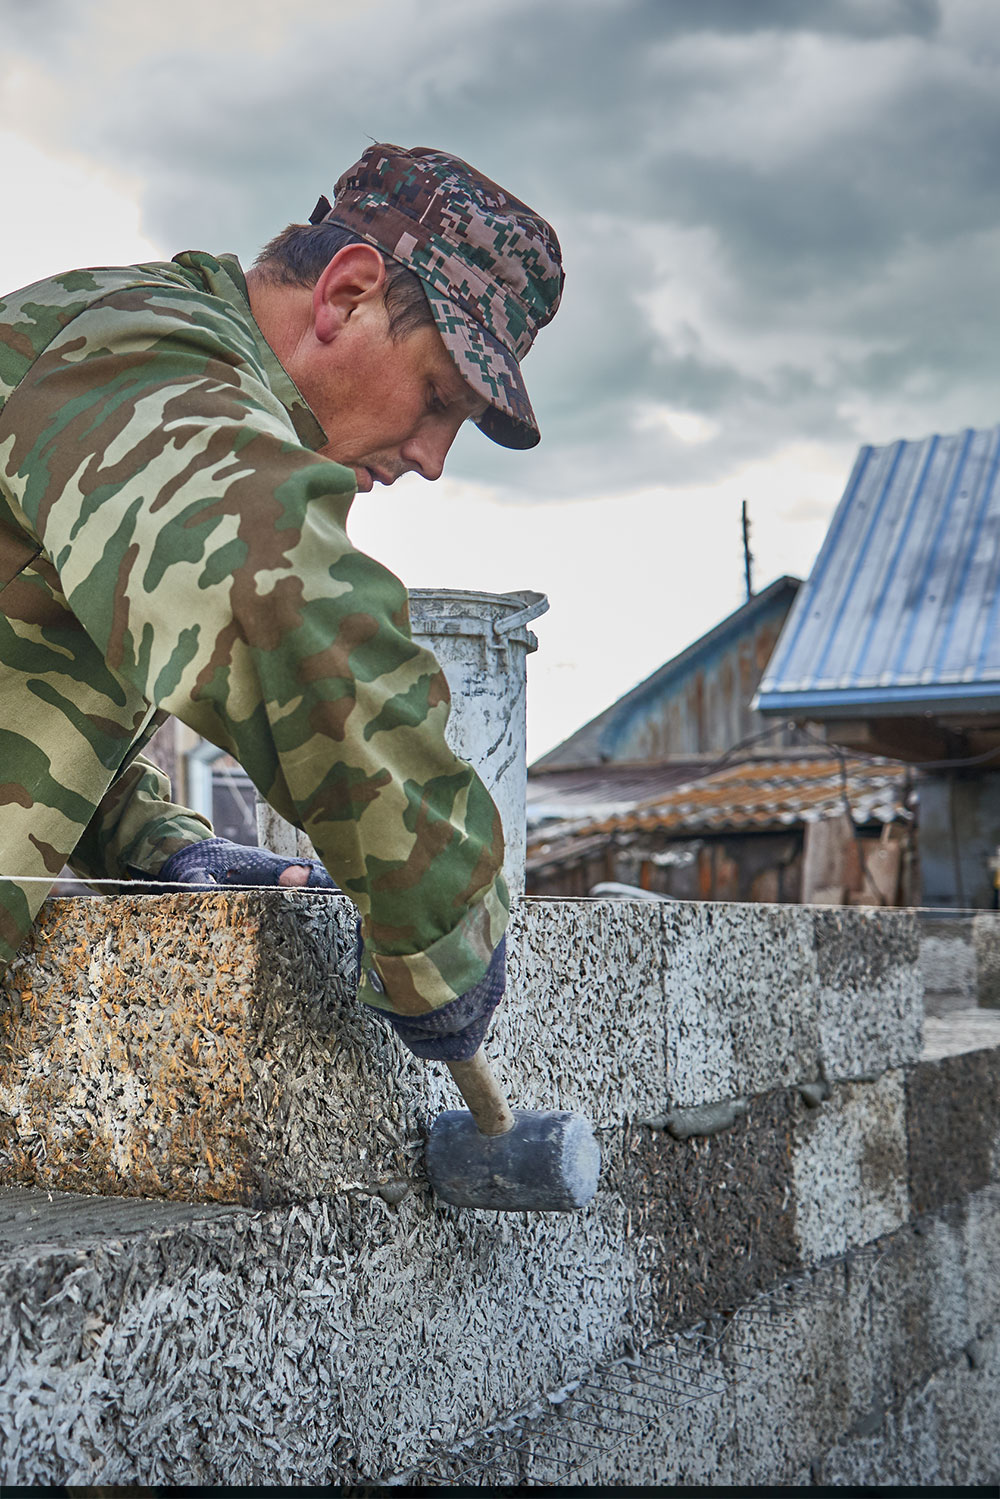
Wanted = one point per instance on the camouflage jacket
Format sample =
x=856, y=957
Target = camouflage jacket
x=171, y=542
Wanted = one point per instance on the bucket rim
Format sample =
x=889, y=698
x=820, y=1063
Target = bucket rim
x=510, y=601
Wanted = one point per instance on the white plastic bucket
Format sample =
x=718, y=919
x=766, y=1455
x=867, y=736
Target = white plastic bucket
x=482, y=642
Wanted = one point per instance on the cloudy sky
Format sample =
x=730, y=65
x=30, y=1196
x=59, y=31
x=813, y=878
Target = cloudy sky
x=779, y=219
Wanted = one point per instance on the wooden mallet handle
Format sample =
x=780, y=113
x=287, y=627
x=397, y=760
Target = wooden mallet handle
x=481, y=1091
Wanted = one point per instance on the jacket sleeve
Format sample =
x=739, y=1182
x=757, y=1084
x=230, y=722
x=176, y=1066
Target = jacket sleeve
x=136, y=826
x=205, y=552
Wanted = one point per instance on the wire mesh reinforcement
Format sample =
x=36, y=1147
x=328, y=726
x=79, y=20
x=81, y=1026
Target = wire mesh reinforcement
x=574, y=1433
x=585, y=1423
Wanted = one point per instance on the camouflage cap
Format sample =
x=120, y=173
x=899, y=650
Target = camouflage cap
x=491, y=268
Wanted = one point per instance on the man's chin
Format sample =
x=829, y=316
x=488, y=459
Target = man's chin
x=364, y=477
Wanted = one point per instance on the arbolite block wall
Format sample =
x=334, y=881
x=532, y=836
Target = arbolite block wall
x=222, y=1262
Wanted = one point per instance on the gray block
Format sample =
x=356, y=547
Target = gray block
x=762, y=997
x=712, y=1218
x=953, y=1124
x=801, y=1375
x=965, y=1399
x=219, y=1345
x=986, y=941
x=980, y=1230
x=582, y=1026
x=958, y=1032
x=918, y=1318
x=740, y=993
x=664, y=1416
x=870, y=990
x=947, y=962
x=849, y=1167
x=944, y=1434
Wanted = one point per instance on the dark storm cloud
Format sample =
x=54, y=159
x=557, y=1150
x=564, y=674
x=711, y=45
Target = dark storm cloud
x=572, y=92
x=864, y=18
x=930, y=169
x=771, y=212
x=41, y=24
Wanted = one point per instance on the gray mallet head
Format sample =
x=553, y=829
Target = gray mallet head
x=548, y=1163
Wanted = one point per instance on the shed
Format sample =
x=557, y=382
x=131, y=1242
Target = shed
x=789, y=825
x=697, y=703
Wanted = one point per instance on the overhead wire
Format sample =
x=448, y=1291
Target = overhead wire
x=761, y=736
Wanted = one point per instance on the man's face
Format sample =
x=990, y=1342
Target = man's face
x=388, y=407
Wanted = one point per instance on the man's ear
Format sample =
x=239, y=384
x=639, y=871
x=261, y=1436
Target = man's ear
x=353, y=278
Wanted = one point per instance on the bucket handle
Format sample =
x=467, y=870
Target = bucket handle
x=536, y=604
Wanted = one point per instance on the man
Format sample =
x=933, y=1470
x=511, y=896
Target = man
x=181, y=446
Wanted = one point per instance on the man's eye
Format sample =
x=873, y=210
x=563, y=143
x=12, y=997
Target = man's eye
x=435, y=403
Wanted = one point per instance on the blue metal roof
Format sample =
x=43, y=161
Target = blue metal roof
x=901, y=613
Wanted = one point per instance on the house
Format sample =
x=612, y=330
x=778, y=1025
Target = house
x=673, y=725
x=893, y=644
x=698, y=703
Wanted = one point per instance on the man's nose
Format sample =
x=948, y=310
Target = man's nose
x=427, y=451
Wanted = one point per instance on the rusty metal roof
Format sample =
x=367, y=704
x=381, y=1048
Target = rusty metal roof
x=603, y=790
x=901, y=613
x=762, y=794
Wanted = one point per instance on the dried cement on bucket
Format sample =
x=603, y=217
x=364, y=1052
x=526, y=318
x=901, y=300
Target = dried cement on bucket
x=482, y=642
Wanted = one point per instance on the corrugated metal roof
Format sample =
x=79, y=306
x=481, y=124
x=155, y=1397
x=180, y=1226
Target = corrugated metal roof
x=902, y=609
x=760, y=795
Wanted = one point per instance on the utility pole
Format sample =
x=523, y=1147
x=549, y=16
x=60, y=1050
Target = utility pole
x=747, y=554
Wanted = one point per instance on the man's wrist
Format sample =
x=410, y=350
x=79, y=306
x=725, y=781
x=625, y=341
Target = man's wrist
x=413, y=983
x=148, y=860
x=455, y=1031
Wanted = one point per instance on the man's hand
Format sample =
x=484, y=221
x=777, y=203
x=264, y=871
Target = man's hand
x=216, y=861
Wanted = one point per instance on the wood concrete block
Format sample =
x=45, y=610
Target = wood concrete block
x=870, y=993
x=583, y=1025
x=740, y=999
x=849, y=1167
x=202, y=1047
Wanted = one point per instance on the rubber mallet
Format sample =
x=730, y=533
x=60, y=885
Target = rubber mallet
x=511, y=1160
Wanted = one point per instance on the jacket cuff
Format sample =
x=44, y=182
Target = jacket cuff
x=416, y=983
x=161, y=844
x=455, y=1032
